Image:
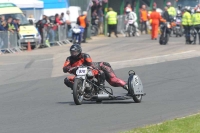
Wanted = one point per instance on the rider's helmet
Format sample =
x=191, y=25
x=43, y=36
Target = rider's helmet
x=75, y=51
x=188, y=8
x=198, y=10
x=179, y=14
x=128, y=10
x=169, y=4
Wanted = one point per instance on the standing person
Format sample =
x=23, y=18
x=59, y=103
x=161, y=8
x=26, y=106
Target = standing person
x=68, y=22
x=82, y=21
x=100, y=15
x=156, y=17
x=196, y=24
x=62, y=17
x=166, y=15
x=171, y=9
x=143, y=18
x=10, y=26
x=112, y=21
x=3, y=22
x=187, y=22
x=57, y=20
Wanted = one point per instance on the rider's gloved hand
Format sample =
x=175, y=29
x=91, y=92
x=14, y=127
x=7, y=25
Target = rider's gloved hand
x=72, y=70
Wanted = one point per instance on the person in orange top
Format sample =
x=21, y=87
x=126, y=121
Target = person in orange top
x=82, y=21
x=156, y=17
x=143, y=18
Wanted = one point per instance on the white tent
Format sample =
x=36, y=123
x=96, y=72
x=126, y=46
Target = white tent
x=29, y=7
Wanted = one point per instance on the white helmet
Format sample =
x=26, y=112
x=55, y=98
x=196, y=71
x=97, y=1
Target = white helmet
x=128, y=10
x=169, y=3
x=188, y=8
x=198, y=10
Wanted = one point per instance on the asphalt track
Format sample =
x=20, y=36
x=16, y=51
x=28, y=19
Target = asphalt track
x=46, y=105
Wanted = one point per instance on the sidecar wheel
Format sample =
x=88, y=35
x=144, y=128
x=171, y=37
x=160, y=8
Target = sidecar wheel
x=78, y=97
x=137, y=99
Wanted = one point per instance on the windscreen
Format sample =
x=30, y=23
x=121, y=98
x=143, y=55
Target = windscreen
x=20, y=16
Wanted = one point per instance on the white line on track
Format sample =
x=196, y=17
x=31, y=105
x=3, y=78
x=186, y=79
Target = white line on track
x=42, y=60
x=154, y=57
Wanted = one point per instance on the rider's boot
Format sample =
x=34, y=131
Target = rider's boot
x=126, y=88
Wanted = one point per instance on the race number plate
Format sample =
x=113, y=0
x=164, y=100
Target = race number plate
x=81, y=71
x=137, y=86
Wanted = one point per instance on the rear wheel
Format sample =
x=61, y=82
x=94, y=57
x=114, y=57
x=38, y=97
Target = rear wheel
x=129, y=31
x=77, y=94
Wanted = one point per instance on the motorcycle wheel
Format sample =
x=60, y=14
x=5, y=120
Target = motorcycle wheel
x=94, y=30
x=129, y=31
x=137, y=99
x=78, y=98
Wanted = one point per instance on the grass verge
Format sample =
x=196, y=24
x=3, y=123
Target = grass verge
x=190, y=124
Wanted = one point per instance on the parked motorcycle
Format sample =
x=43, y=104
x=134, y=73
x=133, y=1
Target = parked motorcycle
x=131, y=29
x=165, y=31
x=94, y=27
x=77, y=33
x=87, y=88
x=178, y=28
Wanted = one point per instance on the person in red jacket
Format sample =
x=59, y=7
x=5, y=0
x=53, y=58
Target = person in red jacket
x=57, y=20
x=156, y=17
x=78, y=58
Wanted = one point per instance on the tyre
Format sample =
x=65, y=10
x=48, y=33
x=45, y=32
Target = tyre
x=78, y=97
x=129, y=31
x=137, y=99
x=33, y=46
x=94, y=30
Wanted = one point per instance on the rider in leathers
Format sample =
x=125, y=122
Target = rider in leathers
x=131, y=16
x=78, y=58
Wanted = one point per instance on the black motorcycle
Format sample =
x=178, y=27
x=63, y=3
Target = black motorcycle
x=87, y=88
x=165, y=32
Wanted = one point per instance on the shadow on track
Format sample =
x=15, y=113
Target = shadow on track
x=103, y=102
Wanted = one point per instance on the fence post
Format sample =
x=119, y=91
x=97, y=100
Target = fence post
x=105, y=20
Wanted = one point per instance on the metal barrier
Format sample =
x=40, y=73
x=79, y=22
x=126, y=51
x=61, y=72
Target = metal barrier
x=121, y=23
x=9, y=42
x=56, y=34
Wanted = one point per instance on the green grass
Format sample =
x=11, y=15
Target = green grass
x=189, y=124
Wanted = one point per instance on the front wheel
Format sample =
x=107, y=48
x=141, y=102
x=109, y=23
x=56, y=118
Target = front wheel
x=77, y=93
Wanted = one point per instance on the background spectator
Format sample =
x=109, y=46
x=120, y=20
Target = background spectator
x=62, y=17
x=100, y=15
x=57, y=20
x=112, y=21
x=3, y=23
x=10, y=26
x=143, y=18
x=31, y=19
x=82, y=21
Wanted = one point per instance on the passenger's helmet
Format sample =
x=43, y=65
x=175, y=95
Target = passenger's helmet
x=169, y=3
x=75, y=51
